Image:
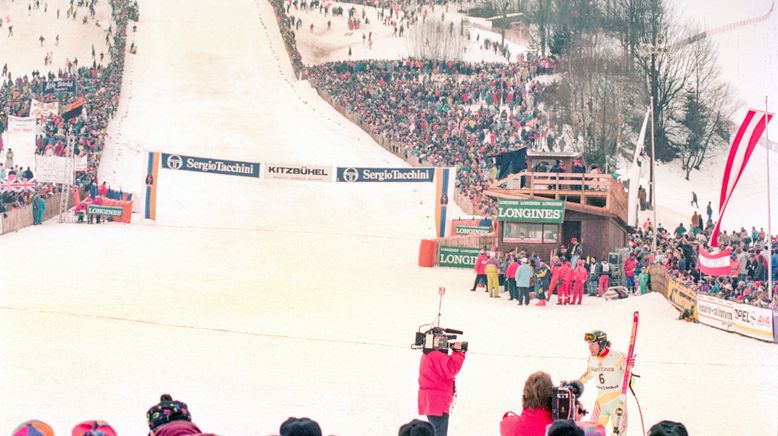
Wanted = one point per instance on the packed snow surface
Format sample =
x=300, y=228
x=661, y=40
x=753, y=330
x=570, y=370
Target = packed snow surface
x=255, y=300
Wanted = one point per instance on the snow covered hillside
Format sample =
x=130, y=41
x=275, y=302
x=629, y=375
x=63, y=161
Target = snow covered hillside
x=256, y=300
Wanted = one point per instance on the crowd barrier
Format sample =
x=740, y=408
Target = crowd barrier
x=743, y=319
x=19, y=218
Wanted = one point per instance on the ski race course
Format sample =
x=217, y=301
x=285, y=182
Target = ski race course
x=253, y=300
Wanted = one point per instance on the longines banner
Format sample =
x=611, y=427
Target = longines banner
x=207, y=165
x=297, y=172
x=360, y=174
x=531, y=211
x=458, y=257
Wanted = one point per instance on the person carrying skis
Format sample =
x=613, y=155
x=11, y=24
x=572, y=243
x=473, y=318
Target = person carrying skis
x=607, y=367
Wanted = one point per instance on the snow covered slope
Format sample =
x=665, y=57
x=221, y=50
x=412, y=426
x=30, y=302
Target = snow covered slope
x=256, y=300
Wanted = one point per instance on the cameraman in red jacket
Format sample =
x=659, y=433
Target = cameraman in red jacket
x=437, y=372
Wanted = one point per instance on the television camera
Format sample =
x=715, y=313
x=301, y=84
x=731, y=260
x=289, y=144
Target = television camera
x=433, y=337
x=564, y=401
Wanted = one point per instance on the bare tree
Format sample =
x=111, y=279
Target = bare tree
x=432, y=39
x=707, y=110
x=595, y=97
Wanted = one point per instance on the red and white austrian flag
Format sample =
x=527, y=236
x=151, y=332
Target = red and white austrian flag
x=754, y=124
x=714, y=264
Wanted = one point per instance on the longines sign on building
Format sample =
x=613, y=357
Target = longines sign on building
x=532, y=211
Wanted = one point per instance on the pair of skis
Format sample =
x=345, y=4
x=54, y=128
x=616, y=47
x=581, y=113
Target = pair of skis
x=627, y=374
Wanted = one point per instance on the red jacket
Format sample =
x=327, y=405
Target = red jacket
x=629, y=267
x=566, y=273
x=480, y=264
x=179, y=428
x=580, y=275
x=529, y=423
x=511, y=271
x=437, y=371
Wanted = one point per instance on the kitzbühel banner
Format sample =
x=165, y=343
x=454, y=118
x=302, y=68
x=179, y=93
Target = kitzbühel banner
x=297, y=172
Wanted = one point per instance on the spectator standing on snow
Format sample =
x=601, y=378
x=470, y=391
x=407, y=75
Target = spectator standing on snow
x=523, y=277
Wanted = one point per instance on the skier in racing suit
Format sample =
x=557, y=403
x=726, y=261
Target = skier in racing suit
x=607, y=367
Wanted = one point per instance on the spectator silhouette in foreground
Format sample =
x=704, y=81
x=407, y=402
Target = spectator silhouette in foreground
x=300, y=427
x=171, y=418
x=565, y=427
x=417, y=427
x=668, y=428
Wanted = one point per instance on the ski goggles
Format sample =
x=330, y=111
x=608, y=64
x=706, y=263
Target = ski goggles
x=589, y=337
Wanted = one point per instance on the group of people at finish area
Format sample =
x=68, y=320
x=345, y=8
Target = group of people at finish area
x=439, y=369
x=525, y=274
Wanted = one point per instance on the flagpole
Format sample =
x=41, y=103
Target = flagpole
x=653, y=178
x=769, y=220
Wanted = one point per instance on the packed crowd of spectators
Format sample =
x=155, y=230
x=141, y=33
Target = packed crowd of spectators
x=286, y=25
x=678, y=251
x=99, y=84
x=447, y=114
x=443, y=114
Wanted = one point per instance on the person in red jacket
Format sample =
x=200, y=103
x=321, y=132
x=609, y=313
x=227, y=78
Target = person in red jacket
x=437, y=372
x=555, y=267
x=629, y=271
x=566, y=276
x=580, y=276
x=536, y=402
x=480, y=270
x=510, y=279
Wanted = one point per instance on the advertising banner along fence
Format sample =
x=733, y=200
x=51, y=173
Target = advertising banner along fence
x=360, y=174
x=681, y=297
x=532, y=211
x=715, y=312
x=753, y=321
x=473, y=230
x=95, y=209
x=458, y=257
x=292, y=171
x=207, y=165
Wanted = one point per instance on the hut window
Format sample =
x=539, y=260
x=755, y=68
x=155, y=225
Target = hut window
x=530, y=232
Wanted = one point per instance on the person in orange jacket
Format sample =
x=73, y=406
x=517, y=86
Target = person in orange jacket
x=580, y=276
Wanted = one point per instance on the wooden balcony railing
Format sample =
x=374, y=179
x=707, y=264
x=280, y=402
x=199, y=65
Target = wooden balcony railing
x=598, y=193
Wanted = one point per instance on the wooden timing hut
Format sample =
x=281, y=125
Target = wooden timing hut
x=541, y=210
